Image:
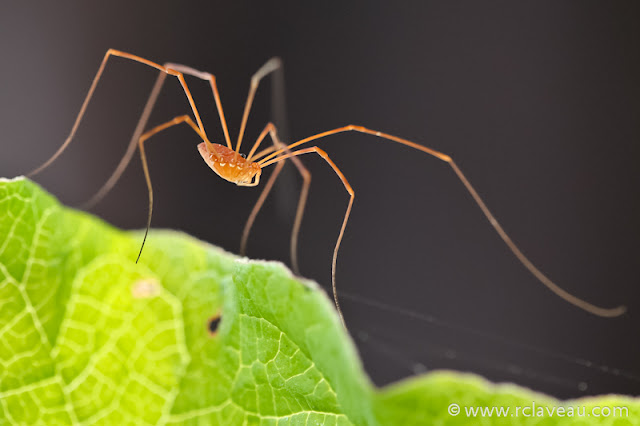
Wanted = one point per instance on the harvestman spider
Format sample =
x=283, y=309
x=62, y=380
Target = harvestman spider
x=231, y=165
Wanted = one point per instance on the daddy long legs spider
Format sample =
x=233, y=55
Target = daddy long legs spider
x=228, y=163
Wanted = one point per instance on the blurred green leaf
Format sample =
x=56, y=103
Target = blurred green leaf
x=87, y=336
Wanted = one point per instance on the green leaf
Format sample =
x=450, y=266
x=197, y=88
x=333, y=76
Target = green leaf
x=428, y=399
x=87, y=336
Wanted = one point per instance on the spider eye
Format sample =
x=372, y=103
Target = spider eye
x=243, y=155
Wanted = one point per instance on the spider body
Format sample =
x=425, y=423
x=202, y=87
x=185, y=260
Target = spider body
x=230, y=165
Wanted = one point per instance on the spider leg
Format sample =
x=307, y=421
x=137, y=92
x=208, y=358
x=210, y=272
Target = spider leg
x=352, y=195
x=131, y=148
x=270, y=66
x=214, y=88
x=302, y=199
x=96, y=79
x=142, y=123
x=145, y=166
x=563, y=294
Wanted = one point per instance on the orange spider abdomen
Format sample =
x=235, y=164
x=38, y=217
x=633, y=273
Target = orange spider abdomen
x=227, y=163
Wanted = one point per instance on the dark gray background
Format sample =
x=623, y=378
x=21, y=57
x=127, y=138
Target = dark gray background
x=538, y=103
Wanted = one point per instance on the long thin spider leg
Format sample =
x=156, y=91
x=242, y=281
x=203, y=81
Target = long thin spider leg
x=153, y=97
x=214, y=87
x=354, y=128
x=144, y=118
x=145, y=166
x=256, y=208
x=268, y=128
x=270, y=66
x=302, y=199
x=263, y=195
x=352, y=195
x=113, y=52
x=603, y=312
x=131, y=148
x=264, y=152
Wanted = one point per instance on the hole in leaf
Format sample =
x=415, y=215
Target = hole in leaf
x=213, y=323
